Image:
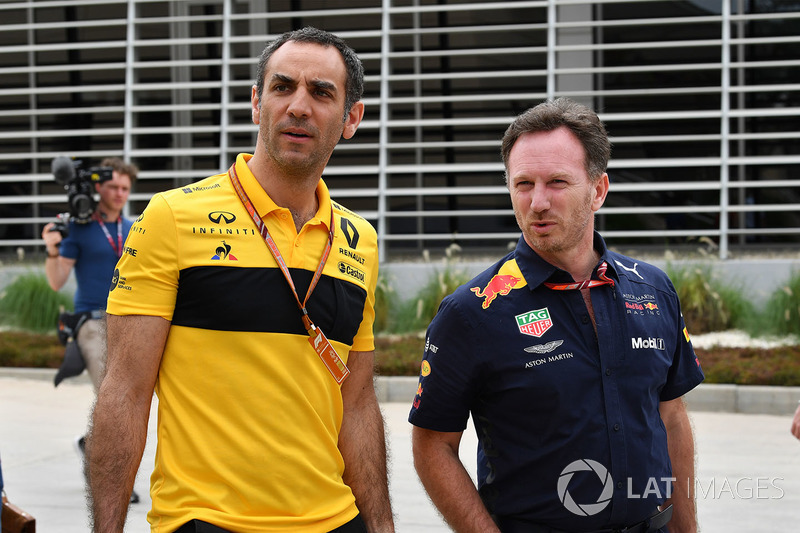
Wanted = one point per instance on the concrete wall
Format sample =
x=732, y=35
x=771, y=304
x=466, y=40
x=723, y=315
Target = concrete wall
x=757, y=278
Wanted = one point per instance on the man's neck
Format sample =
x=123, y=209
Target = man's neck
x=108, y=215
x=578, y=262
x=298, y=194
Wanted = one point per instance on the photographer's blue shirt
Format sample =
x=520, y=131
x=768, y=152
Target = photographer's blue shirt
x=95, y=261
x=568, y=422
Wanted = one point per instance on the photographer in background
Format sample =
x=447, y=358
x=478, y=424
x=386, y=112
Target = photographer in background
x=92, y=246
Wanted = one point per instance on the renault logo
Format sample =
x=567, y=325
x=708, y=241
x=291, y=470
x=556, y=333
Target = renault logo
x=350, y=233
x=220, y=217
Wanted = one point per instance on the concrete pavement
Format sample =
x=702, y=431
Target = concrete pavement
x=748, y=468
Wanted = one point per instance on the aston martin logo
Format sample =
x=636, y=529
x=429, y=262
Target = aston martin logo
x=544, y=348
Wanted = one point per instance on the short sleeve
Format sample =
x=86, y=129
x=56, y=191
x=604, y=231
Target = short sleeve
x=69, y=247
x=364, y=340
x=685, y=372
x=449, y=372
x=145, y=280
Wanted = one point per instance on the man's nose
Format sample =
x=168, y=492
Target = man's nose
x=540, y=200
x=300, y=104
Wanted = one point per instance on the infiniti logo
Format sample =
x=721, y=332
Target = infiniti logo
x=219, y=217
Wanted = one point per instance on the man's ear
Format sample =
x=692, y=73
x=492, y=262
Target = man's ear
x=600, y=192
x=254, y=103
x=353, y=120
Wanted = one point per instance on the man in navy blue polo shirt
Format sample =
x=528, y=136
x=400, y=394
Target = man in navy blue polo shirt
x=571, y=359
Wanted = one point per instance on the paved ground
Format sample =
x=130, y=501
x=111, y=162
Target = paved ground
x=748, y=465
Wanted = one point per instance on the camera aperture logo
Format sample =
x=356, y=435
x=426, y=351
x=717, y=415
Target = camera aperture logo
x=585, y=509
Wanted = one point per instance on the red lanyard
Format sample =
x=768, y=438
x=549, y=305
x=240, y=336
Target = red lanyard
x=262, y=228
x=586, y=284
x=318, y=341
x=116, y=247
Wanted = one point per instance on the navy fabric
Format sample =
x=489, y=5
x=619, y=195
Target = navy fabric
x=558, y=409
x=95, y=260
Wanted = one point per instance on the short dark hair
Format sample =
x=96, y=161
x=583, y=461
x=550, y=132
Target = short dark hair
x=578, y=118
x=354, y=85
x=129, y=169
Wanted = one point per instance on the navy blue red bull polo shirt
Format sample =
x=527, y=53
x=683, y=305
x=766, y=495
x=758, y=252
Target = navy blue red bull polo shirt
x=568, y=422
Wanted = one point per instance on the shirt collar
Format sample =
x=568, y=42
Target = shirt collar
x=265, y=205
x=536, y=270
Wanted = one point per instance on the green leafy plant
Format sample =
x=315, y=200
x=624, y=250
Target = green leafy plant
x=782, y=311
x=418, y=312
x=29, y=303
x=386, y=301
x=707, y=303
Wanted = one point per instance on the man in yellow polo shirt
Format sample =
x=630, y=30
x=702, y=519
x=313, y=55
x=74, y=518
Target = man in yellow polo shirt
x=246, y=302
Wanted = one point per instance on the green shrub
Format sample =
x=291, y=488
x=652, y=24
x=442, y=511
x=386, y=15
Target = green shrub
x=29, y=303
x=33, y=350
x=782, y=311
x=751, y=366
x=399, y=355
x=386, y=302
x=707, y=303
x=418, y=312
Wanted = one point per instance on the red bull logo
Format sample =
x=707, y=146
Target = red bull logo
x=499, y=285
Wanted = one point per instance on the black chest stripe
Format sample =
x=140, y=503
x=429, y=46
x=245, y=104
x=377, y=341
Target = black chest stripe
x=259, y=299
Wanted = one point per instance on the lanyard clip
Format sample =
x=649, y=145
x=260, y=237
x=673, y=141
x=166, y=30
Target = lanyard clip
x=310, y=327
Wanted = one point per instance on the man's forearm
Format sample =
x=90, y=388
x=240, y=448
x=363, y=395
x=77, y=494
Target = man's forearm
x=448, y=483
x=57, y=270
x=114, y=449
x=362, y=442
x=120, y=416
x=680, y=441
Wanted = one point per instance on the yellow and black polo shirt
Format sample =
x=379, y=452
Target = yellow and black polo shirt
x=249, y=416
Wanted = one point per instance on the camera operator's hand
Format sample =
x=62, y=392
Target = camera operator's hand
x=51, y=238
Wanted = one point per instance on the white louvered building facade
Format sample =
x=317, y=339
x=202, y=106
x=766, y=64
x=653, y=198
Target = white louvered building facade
x=701, y=98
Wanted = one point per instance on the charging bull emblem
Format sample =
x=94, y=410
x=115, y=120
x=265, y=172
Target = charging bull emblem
x=501, y=284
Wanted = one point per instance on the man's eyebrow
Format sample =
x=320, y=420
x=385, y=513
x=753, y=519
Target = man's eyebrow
x=282, y=77
x=322, y=84
x=319, y=84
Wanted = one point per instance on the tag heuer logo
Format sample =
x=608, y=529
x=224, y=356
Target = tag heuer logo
x=534, y=323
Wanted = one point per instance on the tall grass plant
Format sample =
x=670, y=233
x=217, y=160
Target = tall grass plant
x=416, y=313
x=29, y=303
x=782, y=312
x=707, y=303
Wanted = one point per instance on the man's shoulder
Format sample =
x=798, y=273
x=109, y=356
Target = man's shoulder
x=199, y=189
x=344, y=211
x=350, y=219
x=497, y=280
x=638, y=271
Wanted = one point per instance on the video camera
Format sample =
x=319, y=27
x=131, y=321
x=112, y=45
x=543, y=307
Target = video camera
x=79, y=184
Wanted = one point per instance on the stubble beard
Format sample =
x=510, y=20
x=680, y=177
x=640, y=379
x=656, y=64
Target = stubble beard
x=302, y=168
x=569, y=231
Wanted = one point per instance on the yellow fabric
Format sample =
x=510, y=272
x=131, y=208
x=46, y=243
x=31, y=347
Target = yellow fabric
x=248, y=421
